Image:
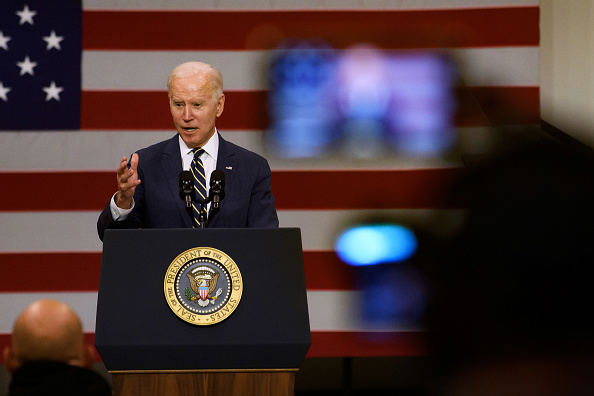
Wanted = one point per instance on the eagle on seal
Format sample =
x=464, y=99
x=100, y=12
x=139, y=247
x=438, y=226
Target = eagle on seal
x=203, y=281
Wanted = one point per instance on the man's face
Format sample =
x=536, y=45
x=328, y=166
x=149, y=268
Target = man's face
x=193, y=109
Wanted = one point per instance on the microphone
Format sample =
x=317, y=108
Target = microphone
x=186, y=188
x=217, y=188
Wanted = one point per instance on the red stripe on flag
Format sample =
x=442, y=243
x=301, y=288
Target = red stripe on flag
x=68, y=272
x=333, y=344
x=325, y=271
x=150, y=30
x=381, y=189
x=58, y=194
x=384, y=189
x=61, y=272
x=355, y=344
x=117, y=110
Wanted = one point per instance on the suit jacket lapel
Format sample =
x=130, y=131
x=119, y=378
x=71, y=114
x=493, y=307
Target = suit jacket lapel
x=171, y=164
x=225, y=159
x=225, y=162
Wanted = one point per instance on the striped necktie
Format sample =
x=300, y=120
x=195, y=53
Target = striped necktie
x=197, y=169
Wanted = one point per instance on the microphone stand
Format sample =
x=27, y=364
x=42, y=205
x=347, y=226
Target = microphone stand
x=202, y=218
x=202, y=221
x=214, y=196
x=187, y=195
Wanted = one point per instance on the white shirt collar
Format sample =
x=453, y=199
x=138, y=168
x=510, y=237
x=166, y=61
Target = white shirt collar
x=211, y=147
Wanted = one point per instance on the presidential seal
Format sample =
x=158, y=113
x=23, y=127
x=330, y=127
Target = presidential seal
x=203, y=286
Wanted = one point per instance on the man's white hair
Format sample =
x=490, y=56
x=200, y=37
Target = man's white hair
x=189, y=69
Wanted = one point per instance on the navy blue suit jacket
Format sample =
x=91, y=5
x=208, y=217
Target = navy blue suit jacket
x=248, y=199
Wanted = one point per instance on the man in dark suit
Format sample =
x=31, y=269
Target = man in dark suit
x=148, y=187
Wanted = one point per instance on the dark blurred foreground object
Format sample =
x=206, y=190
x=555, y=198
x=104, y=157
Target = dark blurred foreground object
x=56, y=378
x=511, y=309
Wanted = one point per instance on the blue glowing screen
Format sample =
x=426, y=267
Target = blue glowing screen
x=376, y=244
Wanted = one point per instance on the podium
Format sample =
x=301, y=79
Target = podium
x=147, y=339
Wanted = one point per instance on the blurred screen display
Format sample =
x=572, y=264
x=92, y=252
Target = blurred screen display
x=393, y=289
x=361, y=101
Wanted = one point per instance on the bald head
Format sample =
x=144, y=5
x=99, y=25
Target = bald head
x=47, y=330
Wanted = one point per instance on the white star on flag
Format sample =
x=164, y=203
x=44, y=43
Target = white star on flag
x=26, y=15
x=3, y=91
x=4, y=40
x=53, y=92
x=53, y=41
x=26, y=66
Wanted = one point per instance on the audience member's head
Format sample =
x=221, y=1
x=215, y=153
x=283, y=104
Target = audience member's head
x=47, y=330
x=47, y=354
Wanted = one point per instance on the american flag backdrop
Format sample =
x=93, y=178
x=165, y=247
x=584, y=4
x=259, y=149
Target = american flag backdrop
x=82, y=85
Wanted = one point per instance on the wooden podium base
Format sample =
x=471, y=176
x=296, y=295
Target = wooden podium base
x=277, y=382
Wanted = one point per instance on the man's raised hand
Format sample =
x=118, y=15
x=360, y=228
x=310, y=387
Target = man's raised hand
x=127, y=182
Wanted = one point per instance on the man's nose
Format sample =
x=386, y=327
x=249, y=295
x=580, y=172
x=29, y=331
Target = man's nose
x=188, y=116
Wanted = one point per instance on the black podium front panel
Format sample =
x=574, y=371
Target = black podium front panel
x=137, y=330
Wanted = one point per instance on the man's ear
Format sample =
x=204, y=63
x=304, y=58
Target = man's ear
x=10, y=360
x=89, y=355
x=85, y=358
x=221, y=105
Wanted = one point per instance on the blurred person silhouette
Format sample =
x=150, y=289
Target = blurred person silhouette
x=47, y=354
x=511, y=305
